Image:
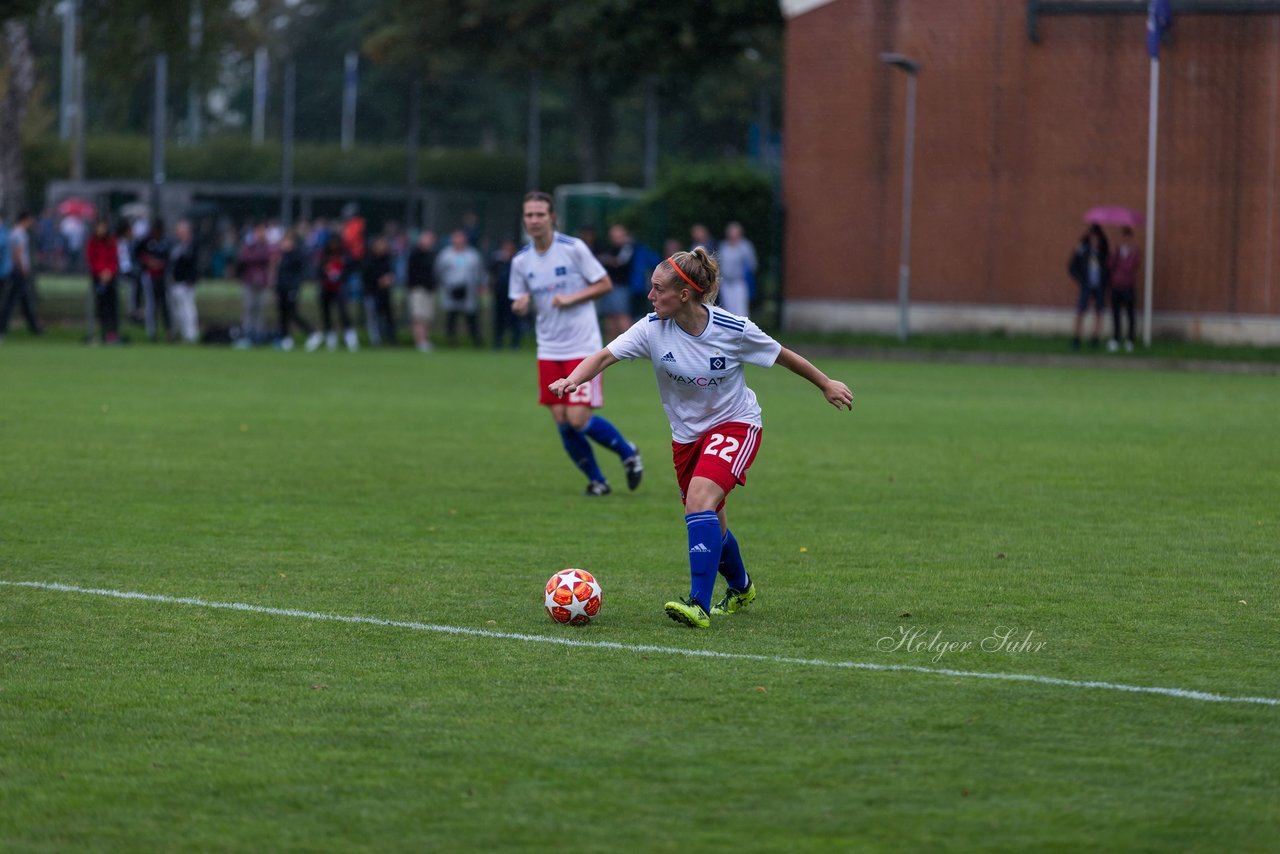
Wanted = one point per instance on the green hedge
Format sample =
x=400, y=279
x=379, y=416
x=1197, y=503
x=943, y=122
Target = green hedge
x=711, y=194
x=235, y=159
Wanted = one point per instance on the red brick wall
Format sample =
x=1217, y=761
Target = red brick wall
x=1015, y=140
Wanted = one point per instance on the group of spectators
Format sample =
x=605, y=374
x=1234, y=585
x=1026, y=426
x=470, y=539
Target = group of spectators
x=630, y=263
x=1105, y=275
x=378, y=279
x=374, y=280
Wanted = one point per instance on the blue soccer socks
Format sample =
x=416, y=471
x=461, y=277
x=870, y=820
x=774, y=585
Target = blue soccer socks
x=579, y=450
x=704, y=555
x=603, y=431
x=731, y=566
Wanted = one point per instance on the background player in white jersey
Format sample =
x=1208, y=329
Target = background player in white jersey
x=559, y=277
x=698, y=353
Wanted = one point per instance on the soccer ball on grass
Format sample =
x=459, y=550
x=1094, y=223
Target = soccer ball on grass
x=573, y=597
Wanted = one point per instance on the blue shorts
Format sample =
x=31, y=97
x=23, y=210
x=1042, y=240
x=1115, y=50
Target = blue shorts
x=1086, y=294
x=617, y=301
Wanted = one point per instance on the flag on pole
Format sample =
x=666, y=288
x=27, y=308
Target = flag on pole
x=1159, y=19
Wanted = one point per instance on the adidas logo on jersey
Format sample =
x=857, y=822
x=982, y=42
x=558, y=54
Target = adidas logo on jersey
x=700, y=548
x=670, y=357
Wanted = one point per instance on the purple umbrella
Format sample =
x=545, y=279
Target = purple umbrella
x=1114, y=215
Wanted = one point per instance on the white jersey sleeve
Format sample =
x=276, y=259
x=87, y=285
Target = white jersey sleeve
x=757, y=347
x=588, y=265
x=515, y=280
x=634, y=343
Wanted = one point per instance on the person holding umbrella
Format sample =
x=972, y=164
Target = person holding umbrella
x=1118, y=274
x=1088, y=267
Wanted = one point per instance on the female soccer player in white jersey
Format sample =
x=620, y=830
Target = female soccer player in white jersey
x=560, y=277
x=698, y=351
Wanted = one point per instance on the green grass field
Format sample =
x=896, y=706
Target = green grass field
x=1127, y=519
x=63, y=303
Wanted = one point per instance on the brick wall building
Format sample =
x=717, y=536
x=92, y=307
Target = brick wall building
x=1015, y=139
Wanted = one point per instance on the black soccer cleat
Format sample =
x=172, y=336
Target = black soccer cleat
x=635, y=468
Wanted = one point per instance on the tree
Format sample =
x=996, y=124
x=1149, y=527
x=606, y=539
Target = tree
x=120, y=39
x=20, y=82
x=603, y=48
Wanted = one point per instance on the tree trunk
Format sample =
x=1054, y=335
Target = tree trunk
x=13, y=112
x=595, y=127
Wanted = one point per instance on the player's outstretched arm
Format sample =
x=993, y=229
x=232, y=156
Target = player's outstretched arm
x=836, y=392
x=584, y=373
x=592, y=291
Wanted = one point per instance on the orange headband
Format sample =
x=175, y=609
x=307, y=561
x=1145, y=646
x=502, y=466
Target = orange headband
x=680, y=273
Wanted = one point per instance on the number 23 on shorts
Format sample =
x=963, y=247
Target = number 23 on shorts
x=581, y=395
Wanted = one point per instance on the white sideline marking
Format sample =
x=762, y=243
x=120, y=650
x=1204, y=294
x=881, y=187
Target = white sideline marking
x=1181, y=693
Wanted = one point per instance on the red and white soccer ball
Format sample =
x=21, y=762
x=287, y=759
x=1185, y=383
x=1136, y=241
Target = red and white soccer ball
x=573, y=597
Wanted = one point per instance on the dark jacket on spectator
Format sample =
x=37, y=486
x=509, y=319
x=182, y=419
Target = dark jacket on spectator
x=422, y=269
x=291, y=269
x=185, y=270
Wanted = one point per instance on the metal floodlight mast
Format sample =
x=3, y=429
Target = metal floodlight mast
x=911, y=68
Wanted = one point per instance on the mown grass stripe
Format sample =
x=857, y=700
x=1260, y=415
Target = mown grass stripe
x=1180, y=693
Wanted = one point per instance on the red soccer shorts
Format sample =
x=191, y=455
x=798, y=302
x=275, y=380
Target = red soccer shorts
x=549, y=370
x=722, y=455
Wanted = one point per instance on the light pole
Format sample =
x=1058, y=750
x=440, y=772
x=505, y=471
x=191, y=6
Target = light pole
x=911, y=68
x=67, y=104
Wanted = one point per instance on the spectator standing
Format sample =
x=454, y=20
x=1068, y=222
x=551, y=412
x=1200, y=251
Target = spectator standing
x=253, y=269
x=22, y=283
x=290, y=265
x=1088, y=266
x=275, y=232
x=505, y=322
x=460, y=272
x=46, y=242
x=398, y=241
x=420, y=277
x=317, y=240
x=6, y=260
x=379, y=277
x=224, y=255
x=128, y=275
x=737, y=259
x=615, y=307
x=700, y=235
x=588, y=235
x=471, y=225
x=353, y=244
x=332, y=273
x=153, y=269
x=104, y=273
x=1125, y=265
x=184, y=260
x=73, y=231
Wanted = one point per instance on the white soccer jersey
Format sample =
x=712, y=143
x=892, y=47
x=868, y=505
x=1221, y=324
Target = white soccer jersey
x=565, y=268
x=700, y=377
